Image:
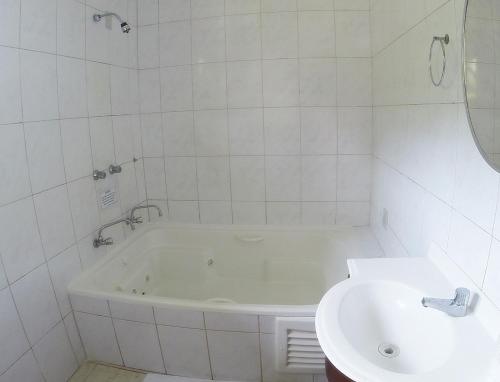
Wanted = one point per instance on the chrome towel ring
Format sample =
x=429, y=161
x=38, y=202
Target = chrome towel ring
x=444, y=40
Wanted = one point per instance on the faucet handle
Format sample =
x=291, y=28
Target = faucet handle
x=97, y=174
x=462, y=296
x=115, y=169
x=100, y=241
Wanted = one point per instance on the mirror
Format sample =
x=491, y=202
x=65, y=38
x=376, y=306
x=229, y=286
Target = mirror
x=482, y=76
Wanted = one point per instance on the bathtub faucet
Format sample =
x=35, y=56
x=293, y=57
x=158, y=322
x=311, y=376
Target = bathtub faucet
x=136, y=220
x=100, y=241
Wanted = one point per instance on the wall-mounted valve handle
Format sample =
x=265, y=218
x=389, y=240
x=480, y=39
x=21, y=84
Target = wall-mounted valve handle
x=99, y=174
x=100, y=241
x=115, y=169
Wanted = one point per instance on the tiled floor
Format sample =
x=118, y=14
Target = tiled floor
x=93, y=372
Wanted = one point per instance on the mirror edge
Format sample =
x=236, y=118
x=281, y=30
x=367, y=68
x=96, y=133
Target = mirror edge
x=485, y=156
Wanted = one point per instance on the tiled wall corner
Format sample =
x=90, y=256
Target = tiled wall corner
x=68, y=104
x=427, y=172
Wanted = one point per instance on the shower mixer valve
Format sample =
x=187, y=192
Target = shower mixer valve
x=115, y=169
x=98, y=174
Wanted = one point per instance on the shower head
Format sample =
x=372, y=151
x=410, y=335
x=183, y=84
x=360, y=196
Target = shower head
x=125, y=27
x=123, y=24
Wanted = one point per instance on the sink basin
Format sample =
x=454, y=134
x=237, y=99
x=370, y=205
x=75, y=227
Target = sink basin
x=378, y=319
x=375, y=329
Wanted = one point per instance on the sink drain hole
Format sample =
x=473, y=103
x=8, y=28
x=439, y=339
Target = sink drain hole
x=388, y=350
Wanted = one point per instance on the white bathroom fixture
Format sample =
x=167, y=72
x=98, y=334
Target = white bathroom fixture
x=216, y=294
x=254, y=269
x=374, y=328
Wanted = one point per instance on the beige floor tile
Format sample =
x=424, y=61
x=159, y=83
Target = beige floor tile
x=83, y=372
x=92, y=372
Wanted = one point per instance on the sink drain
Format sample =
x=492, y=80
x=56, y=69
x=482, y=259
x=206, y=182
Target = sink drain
x=388, y=350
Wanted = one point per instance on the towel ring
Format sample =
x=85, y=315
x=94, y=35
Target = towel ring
x=444, y=40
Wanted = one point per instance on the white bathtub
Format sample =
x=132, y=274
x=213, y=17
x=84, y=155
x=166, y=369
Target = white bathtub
x=217, y=279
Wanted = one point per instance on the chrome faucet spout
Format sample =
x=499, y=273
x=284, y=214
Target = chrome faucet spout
x=100, y=240
x=456, y=307
x=134, y=220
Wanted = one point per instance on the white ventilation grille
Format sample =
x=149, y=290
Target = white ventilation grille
x=297, y=346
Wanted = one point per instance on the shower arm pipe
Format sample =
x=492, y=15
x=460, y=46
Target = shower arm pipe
x=99, y=16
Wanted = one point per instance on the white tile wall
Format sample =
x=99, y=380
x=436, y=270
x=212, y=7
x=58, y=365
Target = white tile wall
x=74, y=338
x=36, y=303
x=10, y=79
x=21, y=246
x=10, y=22
x=54, y=355
x=183, y=342
x=231, y=322
x=234, y=355
x=139, y=345
x=14, y=341
x=131, y=312
x=62, y=78
x=427, y=171
x=63, y=268
x=250, y=112
x=250, y=102
x=56, y=234
x=99, y=338
x=43, y=144
x=25, y=369
x=185, y=351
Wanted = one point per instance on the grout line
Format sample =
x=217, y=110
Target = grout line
x=163, y=356
x=262, y=110
x=77, y=332
x=94, y=117
x=337, y=110
x=21, y=50
x=30, y=346
x=411, y=28
x=205, y=331
x=228, y=138
x=114, y=330
x=164, y=157
x=258, y=59
x=372, y=117
x=483, y=282
x=192, y=67
x=299, y=109
x=260, y=348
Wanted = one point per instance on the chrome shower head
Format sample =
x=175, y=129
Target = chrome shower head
x=125, y=27
x=123, y=24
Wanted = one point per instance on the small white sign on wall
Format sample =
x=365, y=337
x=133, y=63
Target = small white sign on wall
x=107, y=192
x=108, y=198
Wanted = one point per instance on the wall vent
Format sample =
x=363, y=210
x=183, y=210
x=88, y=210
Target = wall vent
x=297, y=347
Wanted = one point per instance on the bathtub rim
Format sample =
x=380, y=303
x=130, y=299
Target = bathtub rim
x=80, y=285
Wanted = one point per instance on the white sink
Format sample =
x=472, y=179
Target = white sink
x=379, y=320
x=375, y=329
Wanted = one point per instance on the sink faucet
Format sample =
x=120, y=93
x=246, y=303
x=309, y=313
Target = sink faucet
x=456, y=307
x=100, y=241
x=133, y=220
